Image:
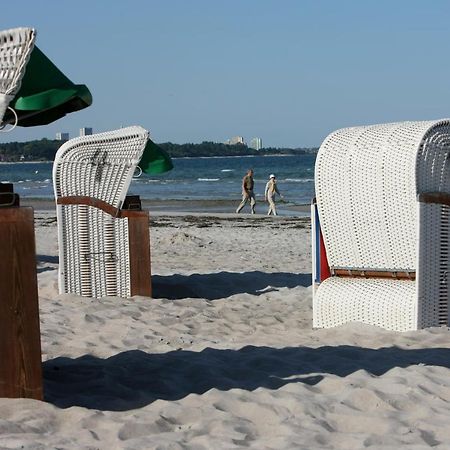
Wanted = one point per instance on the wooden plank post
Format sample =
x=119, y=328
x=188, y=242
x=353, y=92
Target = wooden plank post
x=139, y=241
x=139, y=245
x=20, y=343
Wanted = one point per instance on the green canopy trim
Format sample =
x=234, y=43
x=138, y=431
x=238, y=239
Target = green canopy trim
x=155, y=159
x=46, y=94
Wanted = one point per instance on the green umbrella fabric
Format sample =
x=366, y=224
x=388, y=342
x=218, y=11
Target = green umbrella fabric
x=46, y=94
x=155, y=159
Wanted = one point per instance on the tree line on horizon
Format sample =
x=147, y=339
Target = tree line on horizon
x=45, y=150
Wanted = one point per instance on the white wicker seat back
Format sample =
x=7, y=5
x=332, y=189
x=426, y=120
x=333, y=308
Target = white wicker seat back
x=433, y=176
x=93, y=245
x=16, y=46
x=367, y=181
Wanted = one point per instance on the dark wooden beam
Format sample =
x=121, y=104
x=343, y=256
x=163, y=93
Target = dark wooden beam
x=20, y=341
x=140, y=266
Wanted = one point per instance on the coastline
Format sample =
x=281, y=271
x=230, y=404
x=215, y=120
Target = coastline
x=182, y=157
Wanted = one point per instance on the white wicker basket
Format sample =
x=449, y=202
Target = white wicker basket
x=383, y=196
x=16, y=46
x=94, y=257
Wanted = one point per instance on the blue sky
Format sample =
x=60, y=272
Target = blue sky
x=287, y=71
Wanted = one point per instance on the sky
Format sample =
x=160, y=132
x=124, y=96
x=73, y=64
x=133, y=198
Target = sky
x=289, y=72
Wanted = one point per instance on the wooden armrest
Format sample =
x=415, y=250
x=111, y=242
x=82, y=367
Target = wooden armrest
x=361, y=273
x=97, y=203
x=434, y=197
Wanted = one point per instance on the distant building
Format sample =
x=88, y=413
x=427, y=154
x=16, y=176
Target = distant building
x=256, y=143
x=62, y=136
x=235, y=140
x=85, y=131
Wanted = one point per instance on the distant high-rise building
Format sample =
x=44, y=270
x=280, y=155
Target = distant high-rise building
x=62, y=136
x=256, y=143
x=85, y=131
x=235, y=140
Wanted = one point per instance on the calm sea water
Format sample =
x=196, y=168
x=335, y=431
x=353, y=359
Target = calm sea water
x=192, y=178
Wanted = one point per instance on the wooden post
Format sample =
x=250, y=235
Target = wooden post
x=139, y=241
x=20, y=344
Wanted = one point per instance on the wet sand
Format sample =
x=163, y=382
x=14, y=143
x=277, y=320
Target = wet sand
x=188, y=206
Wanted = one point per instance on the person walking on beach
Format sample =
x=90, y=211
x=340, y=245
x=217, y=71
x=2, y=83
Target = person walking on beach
x=247, y=192
x=269, y=194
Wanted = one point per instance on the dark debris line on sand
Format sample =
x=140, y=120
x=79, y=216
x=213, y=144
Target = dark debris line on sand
x=208, y=221
x=240, y=222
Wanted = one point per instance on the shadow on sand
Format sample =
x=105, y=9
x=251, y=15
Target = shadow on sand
x=134, y=379
x=212, y=286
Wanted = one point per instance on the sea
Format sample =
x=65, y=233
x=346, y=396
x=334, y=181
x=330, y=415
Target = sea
x=215, y=178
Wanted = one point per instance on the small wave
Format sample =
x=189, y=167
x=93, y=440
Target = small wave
x=299, y=180
x=208, y=179
x=150, y=181
x=227, y=170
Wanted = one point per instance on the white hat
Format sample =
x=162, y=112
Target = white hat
x=271, y=175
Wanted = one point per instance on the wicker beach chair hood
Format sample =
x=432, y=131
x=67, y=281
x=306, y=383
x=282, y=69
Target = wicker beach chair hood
x=383, y=196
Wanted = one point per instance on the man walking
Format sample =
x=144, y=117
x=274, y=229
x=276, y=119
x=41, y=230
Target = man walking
x=247, y=192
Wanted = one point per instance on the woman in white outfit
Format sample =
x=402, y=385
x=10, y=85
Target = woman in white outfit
x=269, y=194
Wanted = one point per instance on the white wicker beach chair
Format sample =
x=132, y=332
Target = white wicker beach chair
x=383, y=198
x=91, y=176
x=16, y=46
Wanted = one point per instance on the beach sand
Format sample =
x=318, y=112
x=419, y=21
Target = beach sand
x=224, y=356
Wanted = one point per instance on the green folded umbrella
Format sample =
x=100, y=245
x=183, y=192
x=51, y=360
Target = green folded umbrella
x=155, y=159
x=46, y=94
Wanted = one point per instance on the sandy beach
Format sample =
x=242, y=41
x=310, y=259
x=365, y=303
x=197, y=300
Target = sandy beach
x=225, y=355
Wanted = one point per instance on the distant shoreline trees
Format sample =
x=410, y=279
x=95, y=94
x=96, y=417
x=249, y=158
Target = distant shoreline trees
x=45, y=150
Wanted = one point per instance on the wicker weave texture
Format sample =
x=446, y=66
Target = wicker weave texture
x=366, y=195
x=434, y=265
x=15, y=49
x=99, y=166
x=433, y=175
x=97, y=260
x=93, y=245
x=16, y=46
x=367, y=183
x=390, y=304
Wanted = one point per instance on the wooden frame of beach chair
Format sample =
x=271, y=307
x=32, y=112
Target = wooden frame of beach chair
x=104, y=249
x=383, y=199
x=16, y=46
